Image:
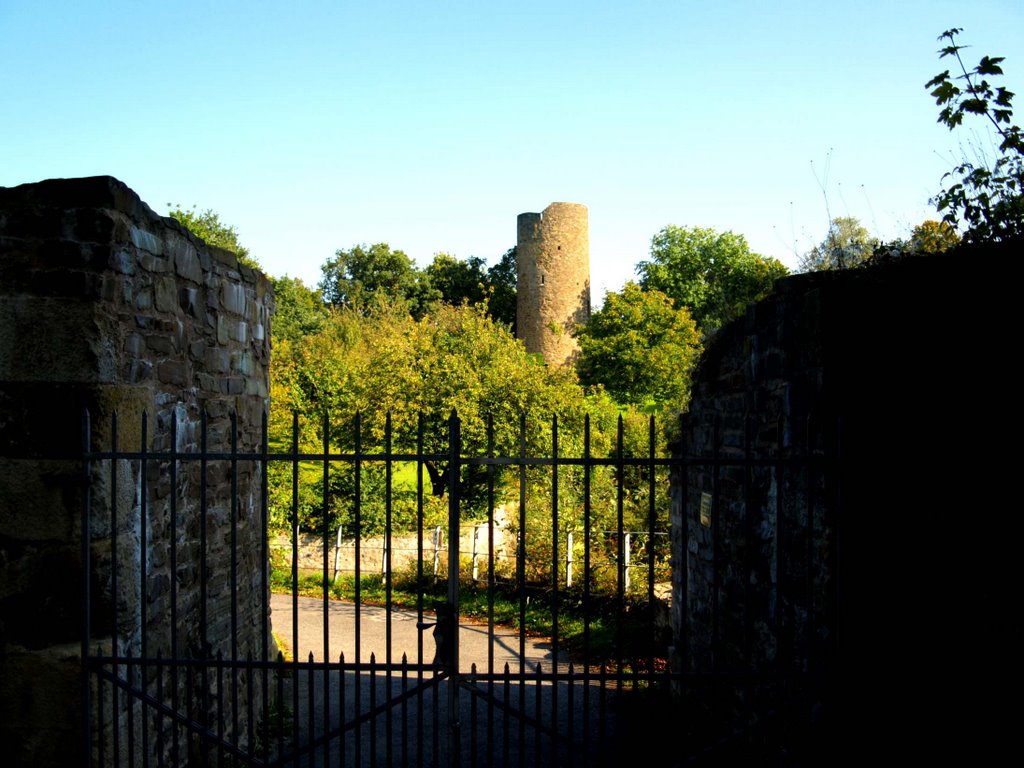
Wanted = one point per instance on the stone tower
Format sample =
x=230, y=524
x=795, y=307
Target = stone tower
x=552, y=280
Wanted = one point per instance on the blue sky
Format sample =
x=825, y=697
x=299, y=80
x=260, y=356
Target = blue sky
x=314, y=126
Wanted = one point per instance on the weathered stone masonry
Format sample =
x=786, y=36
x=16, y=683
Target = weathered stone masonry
x=106, y=306
x=552, y=280
x=906, y=374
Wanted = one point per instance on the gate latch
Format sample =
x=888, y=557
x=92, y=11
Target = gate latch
x=444, y=635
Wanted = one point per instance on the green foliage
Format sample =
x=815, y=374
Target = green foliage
x=933, y=237
x=985, y=196
x=501, y=280
x=366, y=275
x=299, y=311
x=458, y=281
x=208, y=226
x=847, y=244
x=713, y=274
x=640, y=348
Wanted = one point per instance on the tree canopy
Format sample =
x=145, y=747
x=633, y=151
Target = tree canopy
x=713, y=274
x=847, y=244
x=640, y=348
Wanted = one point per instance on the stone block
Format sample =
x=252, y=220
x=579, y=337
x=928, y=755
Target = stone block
x=146, y=241
x=166, y=295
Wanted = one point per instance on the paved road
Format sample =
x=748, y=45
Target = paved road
x=406, y=638
x=414, y=726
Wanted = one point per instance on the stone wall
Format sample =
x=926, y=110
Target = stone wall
x=552, y=280
x=107, y=307
x=861, y=555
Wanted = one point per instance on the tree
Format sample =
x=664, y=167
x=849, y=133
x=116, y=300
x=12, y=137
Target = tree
x=932, y=237
x=847, y=244
x=640, y=348
x=713, y=274
x=501, y=281
x=986, y=195
x=458, y=281
x=299, y=311
x=363, y=275
x=208, y=226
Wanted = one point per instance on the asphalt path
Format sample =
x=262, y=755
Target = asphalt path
x=365, y=719
x=476, y=644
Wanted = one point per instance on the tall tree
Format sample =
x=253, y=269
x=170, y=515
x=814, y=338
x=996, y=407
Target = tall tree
x=713, y=274
x=847, y=244
x=299, y=311
x=640, y=348
x=363, y=275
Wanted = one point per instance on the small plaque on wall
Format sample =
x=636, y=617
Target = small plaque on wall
x=705, y=509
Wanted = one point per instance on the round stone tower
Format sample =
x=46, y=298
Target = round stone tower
x=552, y=280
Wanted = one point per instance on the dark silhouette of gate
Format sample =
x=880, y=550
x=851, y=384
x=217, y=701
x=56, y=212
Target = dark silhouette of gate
x=604, y=688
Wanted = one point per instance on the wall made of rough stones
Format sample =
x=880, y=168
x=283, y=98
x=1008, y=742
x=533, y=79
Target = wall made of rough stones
x=553, y=280
x=107, y=307
x=892, y=380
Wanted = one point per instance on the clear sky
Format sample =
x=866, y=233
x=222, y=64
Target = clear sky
x=314, y=126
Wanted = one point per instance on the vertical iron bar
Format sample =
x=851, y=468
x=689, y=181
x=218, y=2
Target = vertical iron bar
x=130, y=704
x=521, y=578
x=715, y=559
x=587, y=472
x=454, y=472
x=115, y=650
x=175, y=739
x=506, y=688
x=357, y=470
x=388, y=724
x=234, y=576
x=620, y=491
x=310, y=700
x=204, y=575
x=651, y=523
x=419, y=584
x=143, y=579
x=405, y=711
x=343, y=737
x=326, y=585
x=372, y=722
x=264, y=579
x=220, y=706
x=490, y=585
x=159, y=712
x=684, y=564
x=296, y=655
x=554, y=592
x=86, y=591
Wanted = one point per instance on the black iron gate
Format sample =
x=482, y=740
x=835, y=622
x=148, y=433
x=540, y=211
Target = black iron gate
x=184, y=664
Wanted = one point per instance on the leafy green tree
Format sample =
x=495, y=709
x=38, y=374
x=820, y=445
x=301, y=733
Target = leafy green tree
x=640, y=348
x=458, y=280
x=847, y=244
x=713, y=274
x=468, y=281
x=208, y=226
x=985, y=196
x=363, y=275
x=501, y=280
x=299, y=311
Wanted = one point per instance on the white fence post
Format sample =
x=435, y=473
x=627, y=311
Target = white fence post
x=626, y=557
x=437, y=550
x=476, y=552
x=568, y=559
x=337, y=556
